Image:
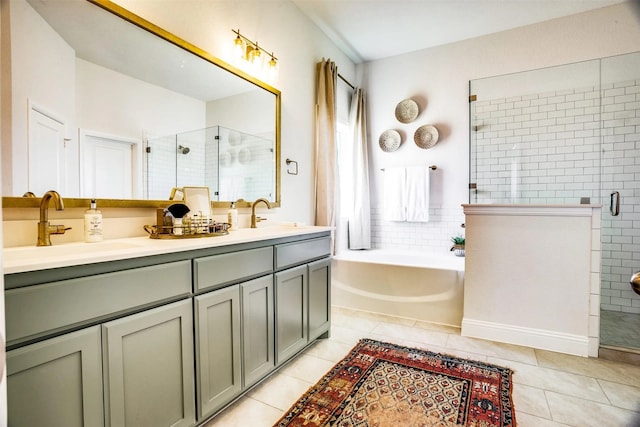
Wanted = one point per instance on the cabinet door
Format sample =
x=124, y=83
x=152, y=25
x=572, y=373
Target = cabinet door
x=291, y=312
x=257, y=329
x=319, y=298
x=218, y=357
x=56, y=382
x=148, y=365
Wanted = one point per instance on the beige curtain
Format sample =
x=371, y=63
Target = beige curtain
x=360, y=212
x=325, y=144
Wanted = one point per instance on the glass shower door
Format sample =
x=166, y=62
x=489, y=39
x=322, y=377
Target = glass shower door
x=620, y=305
x=534, y=136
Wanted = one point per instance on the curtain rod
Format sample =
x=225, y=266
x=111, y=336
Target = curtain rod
x=346, y=81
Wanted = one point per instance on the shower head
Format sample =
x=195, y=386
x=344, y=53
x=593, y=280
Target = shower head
x=183, y=150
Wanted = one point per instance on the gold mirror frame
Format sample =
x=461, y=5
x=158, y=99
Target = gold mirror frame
x=121, y=12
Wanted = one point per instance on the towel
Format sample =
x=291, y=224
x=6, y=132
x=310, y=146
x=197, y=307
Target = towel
x=395, y=194
x=417, y=194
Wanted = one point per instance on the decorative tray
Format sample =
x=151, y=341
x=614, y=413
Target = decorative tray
x=187, y=231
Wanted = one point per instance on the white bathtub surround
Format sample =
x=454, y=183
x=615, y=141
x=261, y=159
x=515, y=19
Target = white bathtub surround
x=533, y=276
x=422, y=286
x=428, y=237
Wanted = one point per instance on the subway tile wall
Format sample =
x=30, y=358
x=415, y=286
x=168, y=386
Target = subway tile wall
x=558, y=147
x=427, y=237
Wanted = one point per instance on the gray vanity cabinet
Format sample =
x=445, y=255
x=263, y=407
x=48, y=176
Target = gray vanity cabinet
x=164, y=340
x=123, y=368
x=57, y=381
x=148, y=366
x=291, y=312
x=257, y=329
x=218, y=352
x=319, y=298
x=236, y=312
x=302, y=294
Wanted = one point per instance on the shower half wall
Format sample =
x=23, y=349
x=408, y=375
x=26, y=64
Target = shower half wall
x=567, y=135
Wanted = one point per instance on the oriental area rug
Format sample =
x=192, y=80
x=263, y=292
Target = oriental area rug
x=385, y=385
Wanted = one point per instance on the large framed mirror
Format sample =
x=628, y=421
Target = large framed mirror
x=104, y=104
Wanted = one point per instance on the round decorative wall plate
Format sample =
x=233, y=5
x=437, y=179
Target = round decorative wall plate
x=426, y=136
x=407, y=111
x=234, y=138
x=389, y=140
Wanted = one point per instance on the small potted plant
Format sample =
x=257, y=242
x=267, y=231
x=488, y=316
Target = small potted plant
x=458, y=245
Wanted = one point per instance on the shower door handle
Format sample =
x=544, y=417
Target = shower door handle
x=614, y=203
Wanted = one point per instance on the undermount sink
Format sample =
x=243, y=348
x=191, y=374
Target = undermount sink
x=24, y=253
x=272, y=228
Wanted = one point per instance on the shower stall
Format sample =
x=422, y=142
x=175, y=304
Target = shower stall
x=233, y=164
x=567, y=135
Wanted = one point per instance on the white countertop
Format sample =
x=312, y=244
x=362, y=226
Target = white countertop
x=32, y=258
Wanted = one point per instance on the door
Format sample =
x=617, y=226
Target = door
x=291, y=312
x=218, y=357
x=620, y=134
x=108, y=166
x=47, y=157
x=257, y=329
x=319, y=298
x=56, y=381
x=148, y=365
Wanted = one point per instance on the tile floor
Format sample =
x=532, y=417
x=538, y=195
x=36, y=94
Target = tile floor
x=550, y=389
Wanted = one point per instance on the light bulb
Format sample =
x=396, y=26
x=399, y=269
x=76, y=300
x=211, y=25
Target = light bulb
x=239, y=47
x=272, y=70
x=255, y=53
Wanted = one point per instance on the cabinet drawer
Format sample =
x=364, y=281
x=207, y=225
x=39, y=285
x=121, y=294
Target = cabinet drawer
x=35, y=311
x=217, y=270
x=298, y=252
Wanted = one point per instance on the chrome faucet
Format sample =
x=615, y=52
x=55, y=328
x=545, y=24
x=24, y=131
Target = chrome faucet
x=45, y=230
x=254, y=218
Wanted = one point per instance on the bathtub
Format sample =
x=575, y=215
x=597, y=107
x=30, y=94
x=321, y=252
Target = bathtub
x=414, y=285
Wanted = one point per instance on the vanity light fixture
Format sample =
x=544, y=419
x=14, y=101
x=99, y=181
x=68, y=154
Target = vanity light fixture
x=252, y=60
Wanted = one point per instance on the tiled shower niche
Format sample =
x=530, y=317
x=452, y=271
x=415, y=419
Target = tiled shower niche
x=567, y=135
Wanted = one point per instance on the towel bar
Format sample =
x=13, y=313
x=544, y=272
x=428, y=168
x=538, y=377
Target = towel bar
x=432, y=167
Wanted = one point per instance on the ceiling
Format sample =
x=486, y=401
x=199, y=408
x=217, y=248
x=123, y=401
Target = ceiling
x=367, y=30
x=104, y=39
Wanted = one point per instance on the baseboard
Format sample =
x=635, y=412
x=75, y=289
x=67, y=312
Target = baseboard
x=537, y=338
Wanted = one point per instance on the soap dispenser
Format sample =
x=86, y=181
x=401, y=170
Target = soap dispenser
x=93, y=224
x=232, y=217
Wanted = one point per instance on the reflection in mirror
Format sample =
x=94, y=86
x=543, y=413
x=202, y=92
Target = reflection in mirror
x=234, y=165
x=90, y=90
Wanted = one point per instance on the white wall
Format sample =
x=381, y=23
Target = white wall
x=278, y=26
x=42, y=71
x=114, y=103
x=438, y=79
x=258, y=104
